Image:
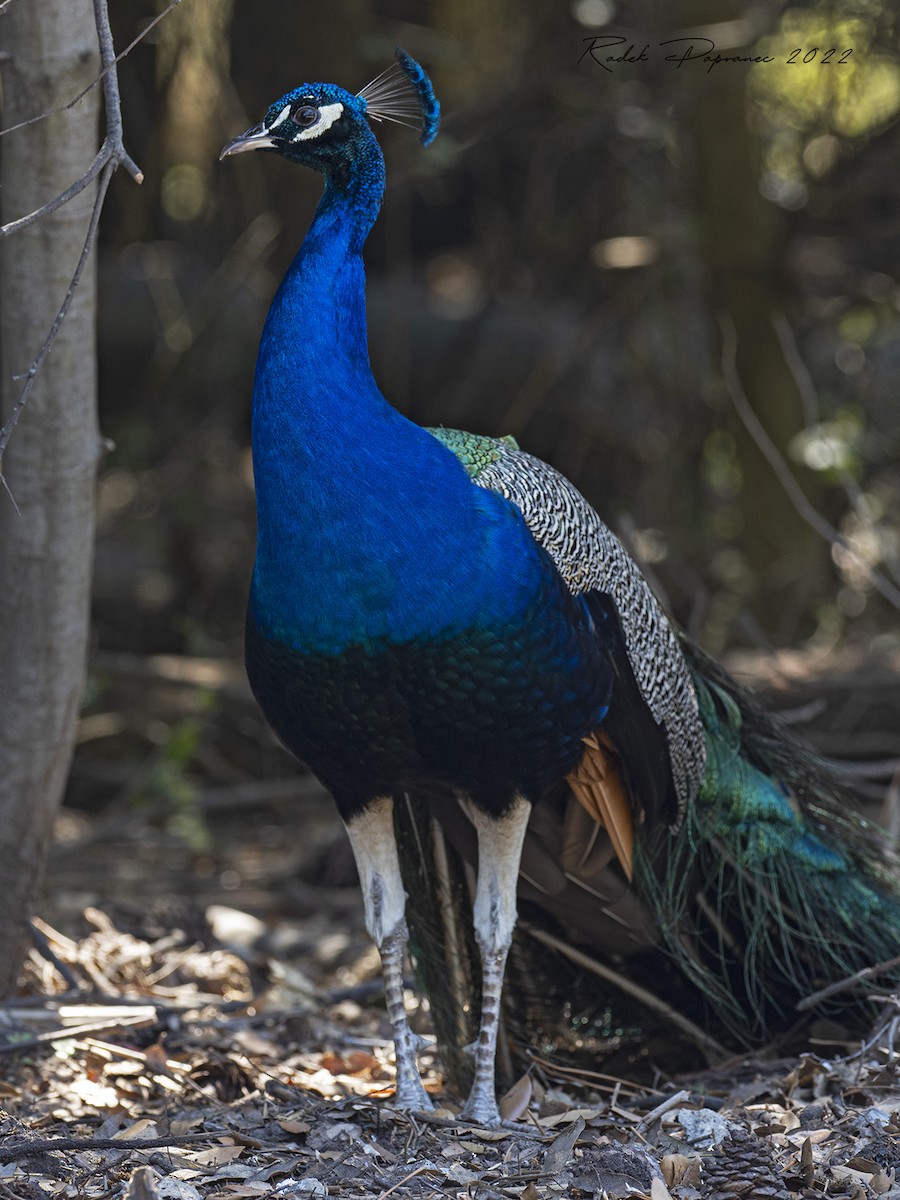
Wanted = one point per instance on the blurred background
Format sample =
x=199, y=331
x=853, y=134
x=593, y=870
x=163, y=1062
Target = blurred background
x=559, y=266
x=568, y=263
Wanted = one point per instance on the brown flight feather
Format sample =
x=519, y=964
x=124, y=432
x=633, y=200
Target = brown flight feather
x=598, y=786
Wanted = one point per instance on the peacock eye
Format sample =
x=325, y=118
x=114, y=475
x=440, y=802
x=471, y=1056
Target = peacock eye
x=305, y=115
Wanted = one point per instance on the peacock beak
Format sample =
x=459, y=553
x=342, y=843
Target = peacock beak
x=257, y=138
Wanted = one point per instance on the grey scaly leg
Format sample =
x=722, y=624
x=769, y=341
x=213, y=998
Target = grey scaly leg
x=375, y=850
x=499, y=852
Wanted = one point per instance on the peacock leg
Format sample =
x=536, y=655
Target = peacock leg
x=499, y=852
x=371, y=835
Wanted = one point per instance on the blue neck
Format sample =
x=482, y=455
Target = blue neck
x=363, y=517
x=320, y=308
x=313, y=379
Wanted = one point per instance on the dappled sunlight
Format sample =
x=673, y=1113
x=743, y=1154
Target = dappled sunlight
x=842, y=81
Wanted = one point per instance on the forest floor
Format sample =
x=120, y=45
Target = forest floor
x=201, y=1017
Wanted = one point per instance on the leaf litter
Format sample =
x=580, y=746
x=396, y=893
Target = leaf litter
x=190, y=1029
x=199, y=1089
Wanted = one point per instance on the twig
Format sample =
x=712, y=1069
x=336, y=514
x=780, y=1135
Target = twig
x=113, y=148
x=697, y=1035
x=211, y=674
x=31, y=374
x=112, y=154
x=406, y=1179
x=770, y=452
x=660, y=1110
x=452, y=937
x=69, y=1032
x=799, y=715
x=45, y=950
x=10, y=1151
x=51, y=206
x=111, y=99
x=874, y=769
x=842, y=985
x=808, y=396
x=595, y=1079
x=108, y=66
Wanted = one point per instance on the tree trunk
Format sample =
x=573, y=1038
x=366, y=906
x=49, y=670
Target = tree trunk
x=50, y=464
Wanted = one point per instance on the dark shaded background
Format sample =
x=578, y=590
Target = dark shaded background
x=559, y=265
x=503, y=297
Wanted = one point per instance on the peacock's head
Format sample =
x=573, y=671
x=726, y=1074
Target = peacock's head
x=323, y=126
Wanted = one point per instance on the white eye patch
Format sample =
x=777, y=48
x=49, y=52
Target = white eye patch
x=281, y=116
x=328, y=114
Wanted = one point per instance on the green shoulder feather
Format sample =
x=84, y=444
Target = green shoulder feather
x=473, y=450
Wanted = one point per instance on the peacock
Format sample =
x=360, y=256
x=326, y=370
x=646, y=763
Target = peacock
x=441, y=620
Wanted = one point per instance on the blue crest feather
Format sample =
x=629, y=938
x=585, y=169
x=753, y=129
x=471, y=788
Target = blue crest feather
x=404, y=94
x=431, y=109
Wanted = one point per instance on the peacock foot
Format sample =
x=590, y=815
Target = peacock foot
x=481, y=1107
x=410, y=1096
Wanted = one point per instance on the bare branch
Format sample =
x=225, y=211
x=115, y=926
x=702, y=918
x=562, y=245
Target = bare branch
x=107, y=67
x=112, y=154
x=657, y=1004
x=113, y=148
x=112, y=102
x=770, y=452
x=842, y=985
x=31, y=374
x=58, y=201
x=797, y=367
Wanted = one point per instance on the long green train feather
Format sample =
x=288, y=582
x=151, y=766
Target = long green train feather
x=774, y=886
